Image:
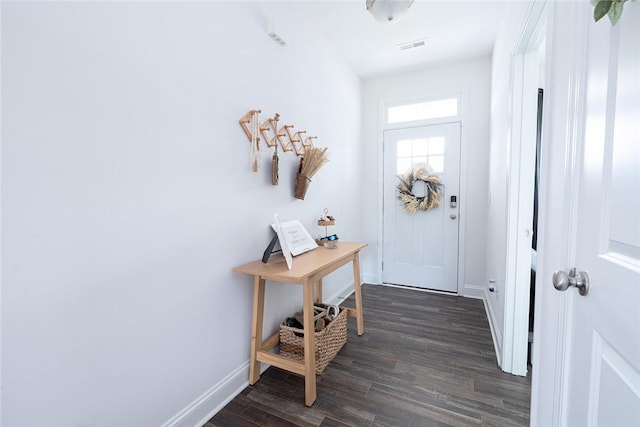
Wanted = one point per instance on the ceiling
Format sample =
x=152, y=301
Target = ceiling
x=454, y=30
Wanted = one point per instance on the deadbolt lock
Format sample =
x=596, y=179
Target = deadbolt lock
x=453, y=202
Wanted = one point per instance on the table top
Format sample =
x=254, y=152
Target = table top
x=303, y=265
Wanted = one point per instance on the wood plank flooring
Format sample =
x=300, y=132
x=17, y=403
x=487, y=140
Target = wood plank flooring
x=425, y=360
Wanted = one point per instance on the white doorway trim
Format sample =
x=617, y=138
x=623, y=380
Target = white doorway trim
x=564, y=102
x=527, y=53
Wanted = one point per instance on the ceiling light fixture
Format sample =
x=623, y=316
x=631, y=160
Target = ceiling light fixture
x=388, y=10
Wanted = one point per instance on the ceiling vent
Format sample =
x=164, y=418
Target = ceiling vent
x=412, y=45
x=271, y=32
x=276, y=38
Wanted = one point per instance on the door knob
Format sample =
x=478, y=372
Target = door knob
x=563, y=281
x=453, y=216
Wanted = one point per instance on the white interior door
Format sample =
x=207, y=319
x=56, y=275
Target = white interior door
x=421, y=249
x=603, y=357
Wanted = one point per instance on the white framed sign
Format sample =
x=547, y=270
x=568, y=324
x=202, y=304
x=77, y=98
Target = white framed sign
x=297, y=238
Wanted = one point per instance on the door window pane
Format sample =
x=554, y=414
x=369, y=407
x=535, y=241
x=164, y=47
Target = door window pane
x=403, y=149
x=419, y=161
x=429, y=152
x=404, y=164
x=436, y=164
x=436, y=146
x=420, y=147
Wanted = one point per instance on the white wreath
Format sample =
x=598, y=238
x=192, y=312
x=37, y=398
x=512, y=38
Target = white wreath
x=413, y=203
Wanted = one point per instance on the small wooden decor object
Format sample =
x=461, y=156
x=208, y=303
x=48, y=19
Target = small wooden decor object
x=325, y=221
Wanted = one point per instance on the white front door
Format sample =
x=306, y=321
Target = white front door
x=421, y=249
x=599, y=369
x=604, y=368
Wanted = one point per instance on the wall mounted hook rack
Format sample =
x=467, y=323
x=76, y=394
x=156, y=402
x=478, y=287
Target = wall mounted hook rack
x=283, y=136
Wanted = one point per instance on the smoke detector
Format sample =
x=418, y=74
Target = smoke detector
x=386, y=11
x=412, y=44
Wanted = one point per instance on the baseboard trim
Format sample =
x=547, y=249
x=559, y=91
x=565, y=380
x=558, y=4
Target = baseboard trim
x=341, y=294
x=473, y=291
x=419, y=289
x=372, y=279
x=495, y=331
x=208, y=404
x=198, y=412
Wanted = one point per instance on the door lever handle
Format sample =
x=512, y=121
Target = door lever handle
x=563, y=281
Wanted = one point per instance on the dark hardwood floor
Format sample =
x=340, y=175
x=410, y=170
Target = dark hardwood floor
x=425, y=360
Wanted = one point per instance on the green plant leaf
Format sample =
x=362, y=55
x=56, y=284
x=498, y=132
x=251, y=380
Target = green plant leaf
x=601, y=9
x=615, y=12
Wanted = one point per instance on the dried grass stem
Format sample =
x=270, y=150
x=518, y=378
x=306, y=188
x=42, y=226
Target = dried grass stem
x=314, y=158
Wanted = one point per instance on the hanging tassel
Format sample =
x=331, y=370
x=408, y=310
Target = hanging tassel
x=274, y=166
x=255, y=141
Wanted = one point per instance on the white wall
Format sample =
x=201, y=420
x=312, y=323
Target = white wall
x=472, y=79
x=501, y=120
x=1, y=210
x=127, y=197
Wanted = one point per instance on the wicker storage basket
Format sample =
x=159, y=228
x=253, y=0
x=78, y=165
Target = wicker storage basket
x=328, y=341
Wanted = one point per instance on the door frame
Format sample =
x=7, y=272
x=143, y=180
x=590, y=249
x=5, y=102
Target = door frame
x=526, y=55
x=559, y=178
x=383, y=125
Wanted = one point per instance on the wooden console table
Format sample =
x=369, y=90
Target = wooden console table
x=308, y=270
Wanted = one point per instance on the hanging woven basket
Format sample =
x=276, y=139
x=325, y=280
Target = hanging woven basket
x=302, y=185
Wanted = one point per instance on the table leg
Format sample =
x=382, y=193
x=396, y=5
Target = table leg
x=309, y=345
x=256, y=329
x=358, y=293
x=319, y=291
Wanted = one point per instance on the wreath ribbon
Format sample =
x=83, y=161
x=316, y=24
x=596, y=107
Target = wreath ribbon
x=413, y=203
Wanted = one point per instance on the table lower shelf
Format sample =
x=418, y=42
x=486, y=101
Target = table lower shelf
x=264, y=354
x=281, y=362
